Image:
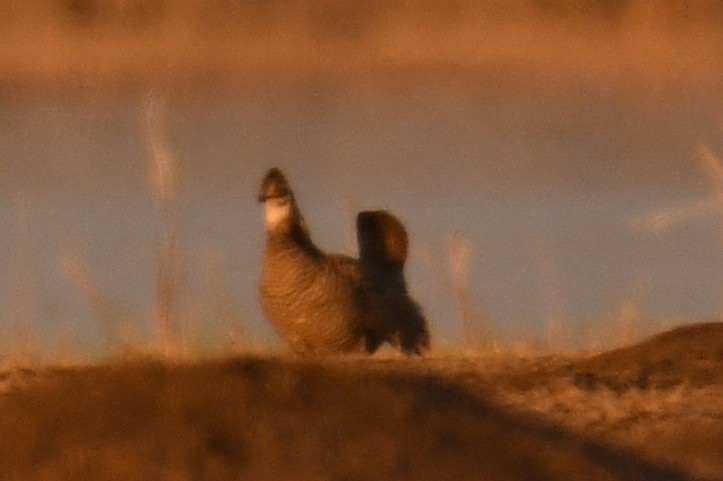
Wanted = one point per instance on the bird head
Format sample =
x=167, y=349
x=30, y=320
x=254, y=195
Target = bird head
x=278, y=199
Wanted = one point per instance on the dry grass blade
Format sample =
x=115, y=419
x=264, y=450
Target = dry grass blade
x=668, y=218
x=712, y=166
x=218, y=293
x=164, y=170
x=459, y=262
x=630, y=319
x=79, y=274
x=24, y=305
x=558, y=336
x=714, y=169
x=164, y=174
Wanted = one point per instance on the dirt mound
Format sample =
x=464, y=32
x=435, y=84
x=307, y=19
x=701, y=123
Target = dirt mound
x=661, y=397
x=691, y=355
x=283, y=419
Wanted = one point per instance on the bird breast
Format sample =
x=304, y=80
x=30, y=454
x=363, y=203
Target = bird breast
x=313, y=301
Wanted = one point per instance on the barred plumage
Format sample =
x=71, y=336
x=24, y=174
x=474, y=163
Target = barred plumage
x=329, y=304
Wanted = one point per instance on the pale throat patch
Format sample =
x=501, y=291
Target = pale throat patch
x=277, y=211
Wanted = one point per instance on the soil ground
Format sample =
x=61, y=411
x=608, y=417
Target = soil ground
x=652, y=411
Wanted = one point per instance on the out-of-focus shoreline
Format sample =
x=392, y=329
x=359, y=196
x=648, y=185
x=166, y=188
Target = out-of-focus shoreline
x=86, y=46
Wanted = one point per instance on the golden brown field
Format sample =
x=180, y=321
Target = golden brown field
x=651, y=411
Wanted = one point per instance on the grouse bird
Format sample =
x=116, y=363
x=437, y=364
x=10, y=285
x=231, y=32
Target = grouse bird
x=333, y=304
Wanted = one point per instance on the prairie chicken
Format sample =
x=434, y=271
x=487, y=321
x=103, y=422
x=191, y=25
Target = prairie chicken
x=331, y=304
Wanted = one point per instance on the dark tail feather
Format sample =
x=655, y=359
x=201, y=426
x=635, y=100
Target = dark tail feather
x=383, y=247
x=382, y=238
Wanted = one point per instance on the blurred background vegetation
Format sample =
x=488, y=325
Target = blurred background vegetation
x=215, y=44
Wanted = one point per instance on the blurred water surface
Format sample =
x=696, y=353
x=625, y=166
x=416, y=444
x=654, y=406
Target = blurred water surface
x=548, y=190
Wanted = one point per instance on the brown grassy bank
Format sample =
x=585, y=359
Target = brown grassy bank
x=103, y=44
x=486, y=417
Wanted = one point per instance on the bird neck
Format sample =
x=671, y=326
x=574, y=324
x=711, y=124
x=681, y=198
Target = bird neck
x=296, y=237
